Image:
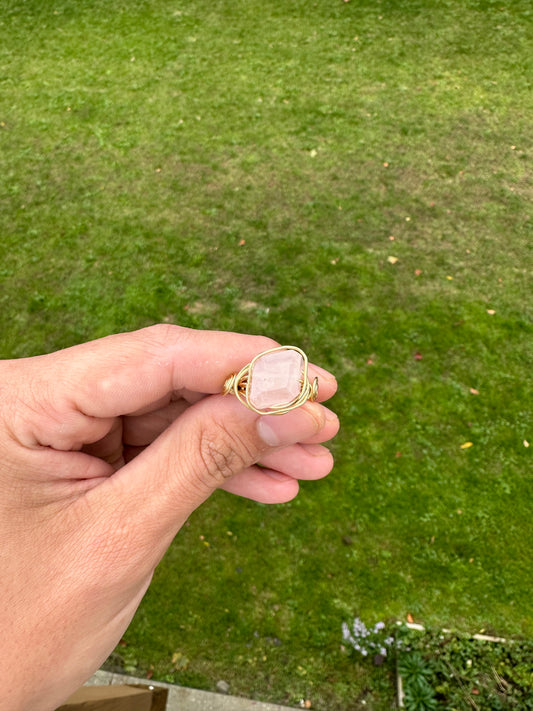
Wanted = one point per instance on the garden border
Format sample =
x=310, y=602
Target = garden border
x=420, y=628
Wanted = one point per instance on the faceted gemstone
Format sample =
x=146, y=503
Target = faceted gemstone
x=276, y=379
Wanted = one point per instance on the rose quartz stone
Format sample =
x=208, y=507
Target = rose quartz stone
x=276, y=379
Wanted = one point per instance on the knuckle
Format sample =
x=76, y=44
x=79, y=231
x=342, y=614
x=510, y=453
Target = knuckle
x=162, y=333
x=223, y=454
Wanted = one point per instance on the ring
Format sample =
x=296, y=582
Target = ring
x=274, y=382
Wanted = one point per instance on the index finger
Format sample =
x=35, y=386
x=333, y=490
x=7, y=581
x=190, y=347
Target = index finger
x=127, y=372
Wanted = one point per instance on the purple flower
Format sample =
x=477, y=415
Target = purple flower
x=365, y=640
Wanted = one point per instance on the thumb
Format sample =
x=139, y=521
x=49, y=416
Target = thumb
x=211, y=442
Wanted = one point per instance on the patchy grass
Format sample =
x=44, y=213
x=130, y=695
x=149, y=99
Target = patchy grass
x=255, y=166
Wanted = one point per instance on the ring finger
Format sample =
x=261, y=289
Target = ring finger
x=300, y=461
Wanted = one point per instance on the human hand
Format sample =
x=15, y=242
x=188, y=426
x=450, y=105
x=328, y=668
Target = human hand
x=105, y=450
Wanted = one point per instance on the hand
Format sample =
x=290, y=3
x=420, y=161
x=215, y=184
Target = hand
x=105, y=450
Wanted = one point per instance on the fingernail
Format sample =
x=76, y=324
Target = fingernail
x=267, y=433
x=292, y=427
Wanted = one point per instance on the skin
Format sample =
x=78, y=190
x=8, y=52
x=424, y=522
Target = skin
x=106, y=449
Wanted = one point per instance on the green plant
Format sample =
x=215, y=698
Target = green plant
x=416, y=675
x=458, y=671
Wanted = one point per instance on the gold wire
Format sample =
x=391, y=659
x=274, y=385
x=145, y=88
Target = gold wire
x=237, y=384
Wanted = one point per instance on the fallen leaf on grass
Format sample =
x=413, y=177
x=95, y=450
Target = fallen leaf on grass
x=474, y=391
x=418, y=272
x=491, y=312
x=467, y=445
x=418, y=356
x=242, y=243
x=410, y=618
x=392, y=260
x=525, y=443
x=179, y=661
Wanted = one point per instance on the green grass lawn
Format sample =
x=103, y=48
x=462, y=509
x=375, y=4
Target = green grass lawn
x=350, y=177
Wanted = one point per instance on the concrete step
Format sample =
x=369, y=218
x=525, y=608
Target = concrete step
x=181, y=698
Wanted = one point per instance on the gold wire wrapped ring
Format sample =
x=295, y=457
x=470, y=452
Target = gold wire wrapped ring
x=274, y=382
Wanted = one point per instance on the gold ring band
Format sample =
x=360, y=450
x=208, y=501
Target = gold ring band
x=274, y=382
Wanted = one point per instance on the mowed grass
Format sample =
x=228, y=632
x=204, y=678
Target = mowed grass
x=350, y=177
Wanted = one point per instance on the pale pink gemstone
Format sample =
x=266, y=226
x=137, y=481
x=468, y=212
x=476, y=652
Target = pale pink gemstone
x=276, y=379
